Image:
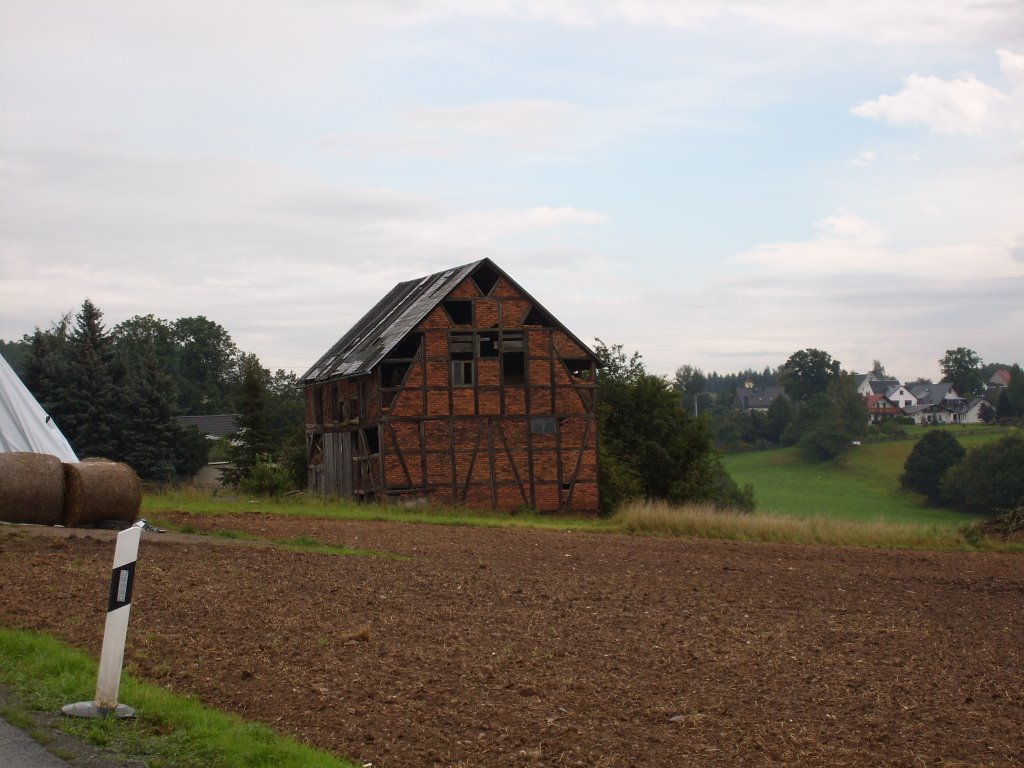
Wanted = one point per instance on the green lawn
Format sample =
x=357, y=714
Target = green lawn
x=863, y=485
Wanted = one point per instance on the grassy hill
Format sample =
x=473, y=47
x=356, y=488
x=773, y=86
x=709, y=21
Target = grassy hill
x=863, y=485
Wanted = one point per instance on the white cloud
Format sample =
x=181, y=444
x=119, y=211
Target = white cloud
x=1012, y=65
x=961, y=106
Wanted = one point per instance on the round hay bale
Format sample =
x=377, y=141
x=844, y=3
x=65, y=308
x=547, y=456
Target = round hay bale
x=31, y=488
x=100, y=492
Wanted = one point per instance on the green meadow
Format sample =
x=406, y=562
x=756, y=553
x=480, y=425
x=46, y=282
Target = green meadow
x=861, y=486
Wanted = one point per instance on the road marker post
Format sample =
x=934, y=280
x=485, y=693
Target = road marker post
x=115, y=632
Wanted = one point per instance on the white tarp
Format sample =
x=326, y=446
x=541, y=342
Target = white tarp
x=24, y=425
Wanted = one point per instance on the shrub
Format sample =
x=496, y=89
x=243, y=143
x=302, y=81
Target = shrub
x=929, y=461
x=990, y=479
x=266, y=479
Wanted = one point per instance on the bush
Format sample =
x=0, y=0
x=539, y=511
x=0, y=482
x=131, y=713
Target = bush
x=990, y=479
x=266, y=479
x=928, y=463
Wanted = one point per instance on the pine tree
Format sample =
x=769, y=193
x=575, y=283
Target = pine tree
x=251, y=442
x=150, y=433
x=90, y=393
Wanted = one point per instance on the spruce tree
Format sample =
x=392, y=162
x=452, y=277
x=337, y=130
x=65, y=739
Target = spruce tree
x=251, y=441
x=90, y=393
x=150, y=433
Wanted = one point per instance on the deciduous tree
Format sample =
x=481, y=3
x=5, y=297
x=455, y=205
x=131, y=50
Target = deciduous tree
x=928, y=462
x=962, y=368
x=808, y=372
x=649, y=445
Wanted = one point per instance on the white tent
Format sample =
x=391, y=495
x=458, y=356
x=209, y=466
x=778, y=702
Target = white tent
x=24, y=425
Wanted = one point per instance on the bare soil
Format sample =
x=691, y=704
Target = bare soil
x=511, y=648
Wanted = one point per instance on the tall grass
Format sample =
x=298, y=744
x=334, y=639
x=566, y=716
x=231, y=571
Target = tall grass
x=704, y=521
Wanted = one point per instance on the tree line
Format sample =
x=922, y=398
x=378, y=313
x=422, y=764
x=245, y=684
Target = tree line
x=117, y=394
x=822, y=412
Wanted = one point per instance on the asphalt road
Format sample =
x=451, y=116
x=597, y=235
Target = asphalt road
x=18, y=750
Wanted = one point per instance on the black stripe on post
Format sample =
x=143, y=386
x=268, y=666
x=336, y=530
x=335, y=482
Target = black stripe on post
x=121, y=581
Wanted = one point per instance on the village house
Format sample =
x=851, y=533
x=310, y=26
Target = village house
x=457, y=388
x=753, y=398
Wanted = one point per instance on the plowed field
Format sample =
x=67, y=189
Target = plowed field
x=511, y=648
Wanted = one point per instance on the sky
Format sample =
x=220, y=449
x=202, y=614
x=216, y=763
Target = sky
x=716, y=184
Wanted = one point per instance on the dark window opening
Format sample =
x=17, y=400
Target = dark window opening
x=485, y=277
x=372, y=440
x=537, y=317
x=350, y=410
x=487, y=344
x=511, y=340
x=393, y=374
x=408, y=347
x=462, y=346
x=462, y=373
x=459, y=310
x=318, y=405
x=543, y=426
x=578, y=368
x=513, y=367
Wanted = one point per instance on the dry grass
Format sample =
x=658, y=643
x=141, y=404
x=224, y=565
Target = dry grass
x=704, y=521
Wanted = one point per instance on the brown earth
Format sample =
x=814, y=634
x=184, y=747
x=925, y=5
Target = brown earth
x=512, y=648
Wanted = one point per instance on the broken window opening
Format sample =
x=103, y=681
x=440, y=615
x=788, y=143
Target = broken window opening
x=578, y=368
x=543, y=426
x=537, y=317
x=318, y=405
x=511, y=340
x=485, y=276
x=459, y=310
x=372, y=440
x=462, y=373
x=407, y=348
x=350, y=410
x=513, y=367
x=393, y=374
x=462, y=346
x=487, y=344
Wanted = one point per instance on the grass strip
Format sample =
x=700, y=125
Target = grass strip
x=169, y=729
x=704, y=521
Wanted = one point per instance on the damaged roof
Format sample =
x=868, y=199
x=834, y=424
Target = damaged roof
x=381, y=329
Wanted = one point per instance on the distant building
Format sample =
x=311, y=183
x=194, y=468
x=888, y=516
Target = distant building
x=753, y=398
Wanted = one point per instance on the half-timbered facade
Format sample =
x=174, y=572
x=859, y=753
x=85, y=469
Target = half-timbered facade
x=456, y=389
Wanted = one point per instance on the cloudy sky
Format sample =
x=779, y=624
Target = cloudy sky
x=712, y=183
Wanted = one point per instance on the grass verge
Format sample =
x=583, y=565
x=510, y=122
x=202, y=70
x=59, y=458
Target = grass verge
x=704, y=521
x=169, y=730
x=956, y=531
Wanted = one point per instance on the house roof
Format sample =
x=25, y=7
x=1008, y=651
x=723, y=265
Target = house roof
x=1000, y=378
x=214, y=425
x=878, y=402
x=882, y=386
x=934, y=393
x=381, y=329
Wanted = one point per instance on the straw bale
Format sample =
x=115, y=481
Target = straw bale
x=100, y=492
x=31, y=488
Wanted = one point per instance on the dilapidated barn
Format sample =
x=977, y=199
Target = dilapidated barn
x=456, y=389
